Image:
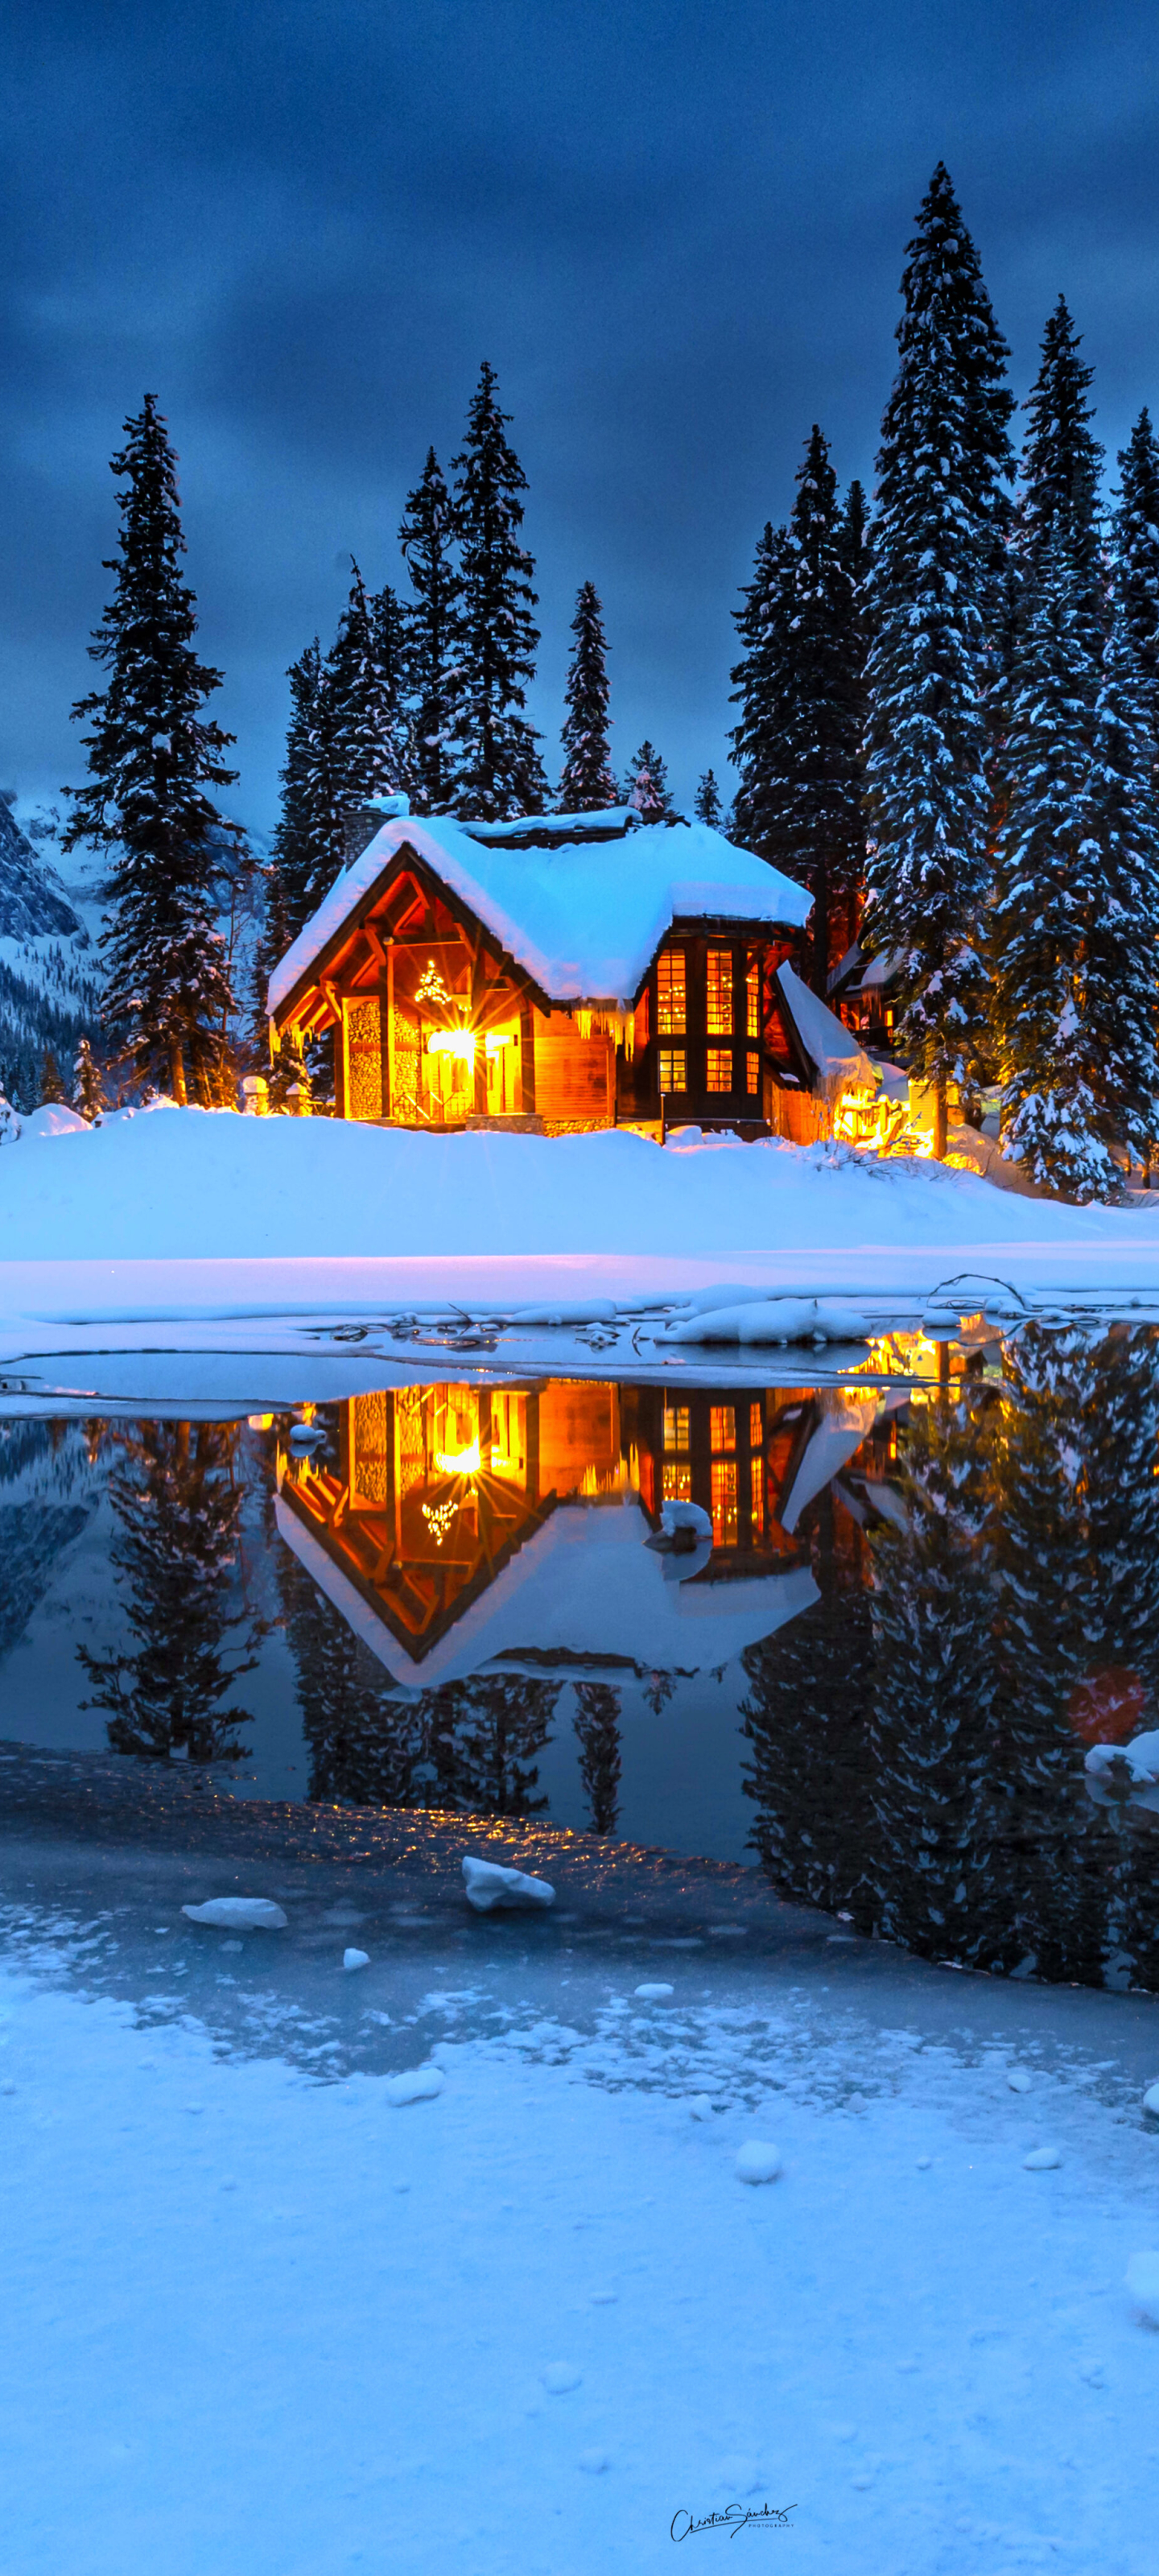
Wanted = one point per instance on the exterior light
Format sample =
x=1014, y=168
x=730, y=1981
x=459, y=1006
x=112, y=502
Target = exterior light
x=459, y=1042
x=459, y=1462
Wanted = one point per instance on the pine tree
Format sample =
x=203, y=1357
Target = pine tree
x=597, y=1726
x=51, y=1086
x=588, y=781
x=500, y=774
x=1058, y=504
x=761, y=682
x=1045, y=897
x=646, y=785
x=706, y=803
x=1119, y=856
x=293, y=838
x=286, y=1068
x=432, y=639
x=1136, y=559
x=366, y=724
x=151, y=755
x=324, y=778
x=88, y=1090
x=821, y=816
x=942, y=508
x=11, y=1123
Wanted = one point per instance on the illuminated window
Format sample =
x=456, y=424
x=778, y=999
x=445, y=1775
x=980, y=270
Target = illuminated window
x=676, y=1420
x=722, y=1426
x=671, y=995
x=756, y=1427
x=673, y=1069
x=719, y=1022
x=677, y=1481
x=752, y=986
x=754, y=1076
x=720, y=1068
x=724, y=1501
x=758, y=1476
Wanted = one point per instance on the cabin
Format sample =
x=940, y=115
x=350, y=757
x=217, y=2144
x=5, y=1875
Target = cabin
x=560, y=973
x=459, y=1528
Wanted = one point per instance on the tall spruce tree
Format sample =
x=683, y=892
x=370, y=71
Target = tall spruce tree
x=761, y=689
x=1058, y=502
x=151, y=756
x=646, y=785
x=707, y=806
x=432, y=639
x=1119, y=853
x=500, y=774
x=819, y=790
x=1046, y=893
x=1136, y=559
x=366, y=725
x=942, y=508
x=293, y=837
x=597, y=1728
x=588, y=781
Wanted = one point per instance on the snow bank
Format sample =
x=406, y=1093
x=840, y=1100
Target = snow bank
x=189, y=1185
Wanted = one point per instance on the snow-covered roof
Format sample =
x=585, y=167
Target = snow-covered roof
x=827, y=1042
x=584, y=1584
x=584, y=920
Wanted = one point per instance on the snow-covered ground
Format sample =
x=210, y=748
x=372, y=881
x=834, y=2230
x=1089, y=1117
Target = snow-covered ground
x=189, y=1212
x=262, y=2314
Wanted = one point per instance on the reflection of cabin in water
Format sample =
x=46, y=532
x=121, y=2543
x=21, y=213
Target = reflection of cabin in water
x=567, y=971
x=454, y=1524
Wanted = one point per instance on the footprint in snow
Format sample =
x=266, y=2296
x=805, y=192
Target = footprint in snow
x=559, y=2377
x=595, y=2462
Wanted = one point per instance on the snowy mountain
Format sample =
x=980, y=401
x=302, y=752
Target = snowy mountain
x=49, y=981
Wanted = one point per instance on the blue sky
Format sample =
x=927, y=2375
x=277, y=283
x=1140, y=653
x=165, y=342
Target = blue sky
x=675, y=230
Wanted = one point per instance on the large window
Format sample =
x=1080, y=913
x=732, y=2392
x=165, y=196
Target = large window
x=677, y=1418
x=719, y=1021
x=724, y=1502
x=673, y=1069
x=671, y=998
x=754, y=1076
x=753, y=1000
x=720, y=1068
x=722, y=1426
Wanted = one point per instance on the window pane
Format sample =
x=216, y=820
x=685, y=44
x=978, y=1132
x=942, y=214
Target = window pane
x=756, y=1427
x=724, y=1501
x=676, y=1419
x=677, y=1481
x=671, y=1002
x=753, y=1001
x=758, y=1473
x=754, y=1074
x=720, y=1068
x=672, y=1069
x=719, y=993
x=722, y=1426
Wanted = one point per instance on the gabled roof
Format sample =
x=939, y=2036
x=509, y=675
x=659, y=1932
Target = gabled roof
x=827, y=1046
x=582, y=911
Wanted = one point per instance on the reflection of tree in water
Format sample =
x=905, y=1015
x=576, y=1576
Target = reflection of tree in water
x=806, y=1719
x=483, y=1737
x=365, y=1738
x=597, y=1726
x=179, y=1502
x=918, y=1746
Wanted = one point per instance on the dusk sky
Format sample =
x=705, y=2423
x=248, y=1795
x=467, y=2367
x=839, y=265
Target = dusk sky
x=675, y=227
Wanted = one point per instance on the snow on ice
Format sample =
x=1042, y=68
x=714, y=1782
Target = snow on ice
x=488, y=1886
x=239, y=1913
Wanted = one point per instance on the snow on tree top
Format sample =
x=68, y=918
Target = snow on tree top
x=585, y=919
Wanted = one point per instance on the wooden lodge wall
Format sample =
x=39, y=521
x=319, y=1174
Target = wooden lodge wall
x=575, y=1077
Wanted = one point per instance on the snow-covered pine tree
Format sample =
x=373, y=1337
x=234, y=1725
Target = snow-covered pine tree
x=1136, y=558
x=52, y=1088
x=151, y=756
x=706, y=803
x=588, y=781
x=817, y=788
x=500, y=773
x=88, y=1090
x=597, y=1728
x=11, y=1122
x=324, y=773
x=944, y=461
x=1058, y=501
x=293, y=844
x=1119, y=858
x=761, y=689
x=366, y=730
x=646, y=785
x=432, y=639
x=1053, y=1113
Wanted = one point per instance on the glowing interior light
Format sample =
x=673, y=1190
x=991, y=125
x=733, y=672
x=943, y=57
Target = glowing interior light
x=459, y=1462
x=452, y=1042
x=495, y=1041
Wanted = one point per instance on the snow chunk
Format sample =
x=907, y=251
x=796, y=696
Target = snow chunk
x=773, y=1319
x=1151, y=2099
x=758, y=2162
x=1142, y=2280
x=419, y=2084
x=55, y=1118
x=1041, y=2160
x=676, y=1516
x=654, y=1994
x=489, y=1886
x=355, y=1959
x=700, y=2106
x=1141, y=1757
x=559, y=2377
x=1018, y=2080
x=239, y=1913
